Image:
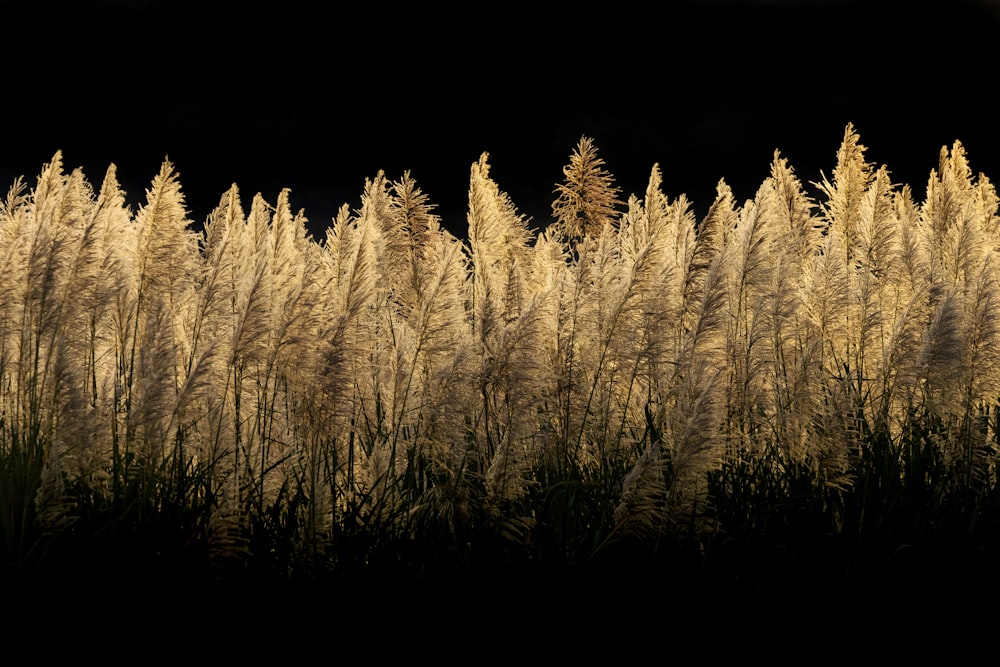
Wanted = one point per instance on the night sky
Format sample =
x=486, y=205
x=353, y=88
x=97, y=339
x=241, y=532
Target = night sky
x=317, y=97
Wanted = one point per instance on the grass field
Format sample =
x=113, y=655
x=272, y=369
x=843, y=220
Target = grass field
x=627, y=423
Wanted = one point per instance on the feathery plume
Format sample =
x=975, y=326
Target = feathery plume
x=588, y=197
x=851, y=178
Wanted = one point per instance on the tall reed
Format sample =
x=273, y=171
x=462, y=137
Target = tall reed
x=628, y=376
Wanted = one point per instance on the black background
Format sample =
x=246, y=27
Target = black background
x=318, y=97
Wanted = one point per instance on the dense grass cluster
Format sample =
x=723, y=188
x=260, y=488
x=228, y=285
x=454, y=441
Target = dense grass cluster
x=794, y=379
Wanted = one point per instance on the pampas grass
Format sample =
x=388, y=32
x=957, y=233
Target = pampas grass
x=787, y=375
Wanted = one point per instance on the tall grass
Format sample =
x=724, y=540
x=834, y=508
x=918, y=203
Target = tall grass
x=797, y=373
